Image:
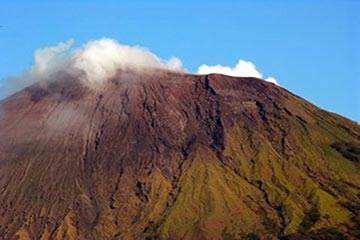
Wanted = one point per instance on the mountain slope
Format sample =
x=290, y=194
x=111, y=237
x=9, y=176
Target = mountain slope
x=174, y=156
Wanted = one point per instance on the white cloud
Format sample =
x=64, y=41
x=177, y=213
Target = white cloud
x=98, y=60
x=94, y=62
x=241, y=69
x=272, y=80
x=48, y=59
x=101, y=59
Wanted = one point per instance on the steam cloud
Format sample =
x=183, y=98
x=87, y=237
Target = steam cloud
x=99, y=60
x=241, y=69
x=94, y=62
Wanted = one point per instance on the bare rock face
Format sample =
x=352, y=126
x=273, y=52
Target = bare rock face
x=167, y=155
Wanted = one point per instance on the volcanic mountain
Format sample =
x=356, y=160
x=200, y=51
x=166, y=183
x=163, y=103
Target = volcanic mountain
x=166, y=155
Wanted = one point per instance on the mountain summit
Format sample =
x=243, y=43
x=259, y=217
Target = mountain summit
x=164, y=155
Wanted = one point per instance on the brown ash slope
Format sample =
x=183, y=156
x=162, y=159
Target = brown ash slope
x=174, y=156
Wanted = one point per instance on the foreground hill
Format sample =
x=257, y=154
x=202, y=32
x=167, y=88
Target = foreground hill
x=173, y=156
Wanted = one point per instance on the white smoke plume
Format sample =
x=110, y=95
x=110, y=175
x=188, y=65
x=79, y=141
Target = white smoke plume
x=94, y=62
x=241, y=69
x=101, y=59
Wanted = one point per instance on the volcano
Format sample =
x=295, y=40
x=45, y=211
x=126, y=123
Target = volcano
x=166, y=155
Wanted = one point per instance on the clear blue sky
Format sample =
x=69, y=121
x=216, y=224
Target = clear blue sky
x=311, y=47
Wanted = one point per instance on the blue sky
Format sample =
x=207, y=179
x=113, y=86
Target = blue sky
x=311, y=47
